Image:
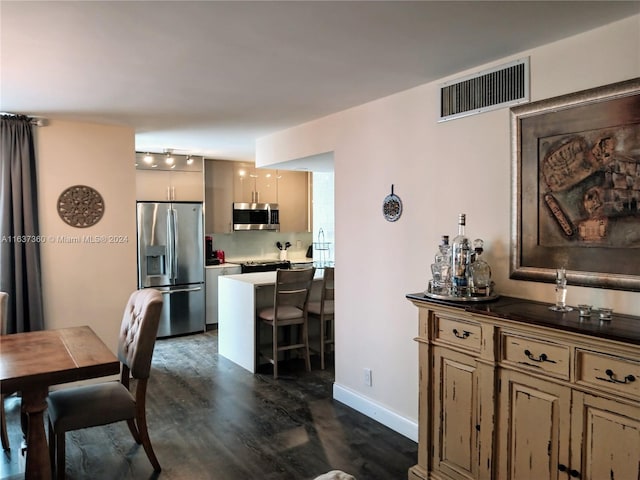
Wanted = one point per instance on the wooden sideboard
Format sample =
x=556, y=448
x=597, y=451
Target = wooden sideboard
x=510, y=390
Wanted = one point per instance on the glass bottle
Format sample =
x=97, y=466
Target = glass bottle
x=460, y=259
x=479, y=271
x=441, y=267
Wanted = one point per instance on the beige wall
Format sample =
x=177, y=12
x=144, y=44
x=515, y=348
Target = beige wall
x=87, y=283
x=439, y=170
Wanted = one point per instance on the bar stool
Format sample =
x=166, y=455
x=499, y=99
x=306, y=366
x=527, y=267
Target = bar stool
x=291, y=295
x=323, y=311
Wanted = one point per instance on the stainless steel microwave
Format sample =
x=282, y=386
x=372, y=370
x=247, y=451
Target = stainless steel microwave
x=256, y=216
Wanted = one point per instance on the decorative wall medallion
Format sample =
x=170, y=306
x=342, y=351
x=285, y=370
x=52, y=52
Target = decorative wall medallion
x=80, y=206
x=392, y=207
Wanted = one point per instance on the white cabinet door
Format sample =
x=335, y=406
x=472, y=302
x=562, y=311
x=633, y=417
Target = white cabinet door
x=212, y=277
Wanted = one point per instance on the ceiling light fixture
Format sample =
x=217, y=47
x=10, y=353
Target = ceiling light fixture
x=148, y=158
x=168, y=156
x=189, y=160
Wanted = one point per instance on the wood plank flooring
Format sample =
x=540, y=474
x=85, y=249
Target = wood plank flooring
x=210, y=419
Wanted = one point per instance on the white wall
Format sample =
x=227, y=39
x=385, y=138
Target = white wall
x=439, y=170
x=87, y=283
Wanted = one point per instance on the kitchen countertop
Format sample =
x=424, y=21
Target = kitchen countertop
x=222, y=265
x=263, y=278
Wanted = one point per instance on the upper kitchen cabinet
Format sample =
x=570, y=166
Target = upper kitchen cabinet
x=254, y=185
x=294, y=193
x=169, y=177
x=218, y=187
x=227, y=182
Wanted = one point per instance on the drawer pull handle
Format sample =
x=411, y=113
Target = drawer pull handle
x=574, y=473
x=628, y=379
x=542, y=358
x=462, y=335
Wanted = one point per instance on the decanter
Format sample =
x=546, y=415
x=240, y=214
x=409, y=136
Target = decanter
x=441, y=268
x=460, y=260
x=479, y=272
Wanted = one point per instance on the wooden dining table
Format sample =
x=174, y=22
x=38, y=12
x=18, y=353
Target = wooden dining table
x=31, y=362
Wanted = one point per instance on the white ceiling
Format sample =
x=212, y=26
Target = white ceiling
x=209, y=77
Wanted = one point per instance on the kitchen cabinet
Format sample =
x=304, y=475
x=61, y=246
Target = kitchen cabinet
x=254, y=185
x=213, y=274
x=184, y=183
x=228, y=182
x=294, y=201
x=218, y=217
x=508, y=392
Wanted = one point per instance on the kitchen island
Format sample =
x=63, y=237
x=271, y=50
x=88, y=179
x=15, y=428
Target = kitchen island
x=239, y=298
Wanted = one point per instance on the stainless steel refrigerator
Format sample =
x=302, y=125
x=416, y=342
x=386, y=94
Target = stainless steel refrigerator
x=171, y=259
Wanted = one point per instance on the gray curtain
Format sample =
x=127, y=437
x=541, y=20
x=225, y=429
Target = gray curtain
x=19, y=234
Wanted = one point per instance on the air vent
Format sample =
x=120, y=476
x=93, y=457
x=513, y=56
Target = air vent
x=498, y=87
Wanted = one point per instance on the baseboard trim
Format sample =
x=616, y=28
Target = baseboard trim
x=375, y=411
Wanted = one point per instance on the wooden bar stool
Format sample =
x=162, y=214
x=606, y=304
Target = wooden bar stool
x=291, y=295
x=323, y=312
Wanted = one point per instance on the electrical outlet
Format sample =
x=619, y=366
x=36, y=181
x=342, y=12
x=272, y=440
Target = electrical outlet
x=367, y=377
x=298, y=244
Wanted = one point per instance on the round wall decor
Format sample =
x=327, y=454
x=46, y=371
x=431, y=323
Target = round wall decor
x=80, y=206
x=392, y=207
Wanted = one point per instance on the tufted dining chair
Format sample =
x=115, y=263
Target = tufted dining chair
x=109, y=402
x=4, y=300
x=291, y=295
x=322, y=311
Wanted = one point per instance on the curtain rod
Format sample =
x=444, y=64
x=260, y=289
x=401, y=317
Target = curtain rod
x=38, y=122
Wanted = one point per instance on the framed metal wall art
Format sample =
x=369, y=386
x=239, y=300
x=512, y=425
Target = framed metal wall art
x=80, y=206
x=576, y=188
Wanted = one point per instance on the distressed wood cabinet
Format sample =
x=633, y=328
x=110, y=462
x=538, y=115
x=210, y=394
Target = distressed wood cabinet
x=511, y=391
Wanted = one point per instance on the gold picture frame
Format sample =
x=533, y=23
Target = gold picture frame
x=576, y=188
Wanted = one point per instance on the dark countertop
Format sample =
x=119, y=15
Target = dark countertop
x=622, y=328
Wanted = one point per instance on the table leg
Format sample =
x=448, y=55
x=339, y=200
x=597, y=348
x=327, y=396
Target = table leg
x=34, y=404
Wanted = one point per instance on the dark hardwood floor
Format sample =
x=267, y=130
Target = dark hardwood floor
x=210, y=419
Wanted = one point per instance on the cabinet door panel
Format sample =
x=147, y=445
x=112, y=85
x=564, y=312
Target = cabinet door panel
x=610, y=434
x=456, y=414
x=153, y=186
x=187, y=186
x=534, y=428
x=293, y=199
x=219, y=175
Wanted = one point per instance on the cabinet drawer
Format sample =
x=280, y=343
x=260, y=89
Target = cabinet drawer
x=536, y=355
x=462, y=333
x=608, y=372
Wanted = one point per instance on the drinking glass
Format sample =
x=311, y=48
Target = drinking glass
x=561, y=292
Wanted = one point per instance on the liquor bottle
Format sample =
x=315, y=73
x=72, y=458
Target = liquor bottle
x=460, y=259
x=441, y=267
x=479, y=271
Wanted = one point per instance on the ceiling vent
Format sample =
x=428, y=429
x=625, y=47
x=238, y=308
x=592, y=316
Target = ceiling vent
x=497, y=87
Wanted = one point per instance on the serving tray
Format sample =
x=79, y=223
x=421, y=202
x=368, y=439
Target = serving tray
x=451, y=298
